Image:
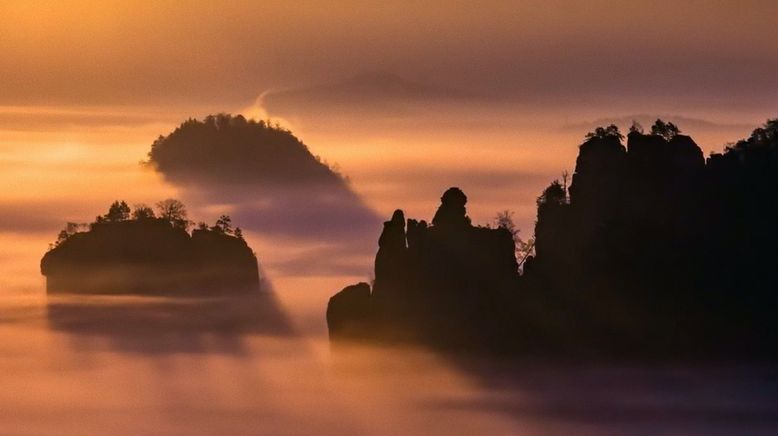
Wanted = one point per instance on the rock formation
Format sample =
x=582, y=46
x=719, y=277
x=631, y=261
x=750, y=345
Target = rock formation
x=655, y=249
x=441, y=284
x=150, y=256
x=651, y=251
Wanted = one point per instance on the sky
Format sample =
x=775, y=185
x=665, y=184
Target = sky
x=493, y=97
x=697, y=53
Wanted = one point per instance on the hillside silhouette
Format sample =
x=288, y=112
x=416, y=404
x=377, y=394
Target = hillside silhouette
x=233, y=150
x=272, y=184
x=147, y=253
x=652, y=250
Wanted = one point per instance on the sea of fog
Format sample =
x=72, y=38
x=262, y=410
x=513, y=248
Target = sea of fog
x=121, y=365
x=263, y=365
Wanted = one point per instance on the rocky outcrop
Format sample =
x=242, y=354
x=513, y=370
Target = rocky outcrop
x=652, y=251
x=442, y=284
x=655, y=249
x=150, y=256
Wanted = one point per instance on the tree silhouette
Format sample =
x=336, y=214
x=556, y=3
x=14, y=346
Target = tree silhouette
x=666, y=130
x=174, y=212
x=69, y=230
x=504, y=220
x=223, y=225
x=142, y=212
x=605, y=132
x=119, y=211
x=554, y=194
x=765, y=137
x=636, y=127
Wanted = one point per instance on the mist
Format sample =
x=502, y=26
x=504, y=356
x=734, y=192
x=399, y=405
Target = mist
x=391, y=104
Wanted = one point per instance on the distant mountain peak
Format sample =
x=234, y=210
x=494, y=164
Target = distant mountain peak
x=375, y=88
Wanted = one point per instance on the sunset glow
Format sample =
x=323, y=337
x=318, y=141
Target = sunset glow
x=396, y=102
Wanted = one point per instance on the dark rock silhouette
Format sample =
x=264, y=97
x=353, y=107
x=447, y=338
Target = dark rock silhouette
x=442, y=283
x=656, y=250
x=150, y=255
x=349, y=314
x=651, y=251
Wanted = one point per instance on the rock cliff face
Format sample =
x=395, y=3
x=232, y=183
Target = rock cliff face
x=656, y=249
x=150, y=256
x=442, y=283
x=651, y=251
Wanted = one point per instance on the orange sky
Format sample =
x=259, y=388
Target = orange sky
x=85, y=87
x=696, y=53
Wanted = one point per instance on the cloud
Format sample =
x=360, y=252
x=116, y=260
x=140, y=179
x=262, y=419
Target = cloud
x=372, y=93
x=38, y=216
x=526, y=51
x=340, y=259
x=314, y=213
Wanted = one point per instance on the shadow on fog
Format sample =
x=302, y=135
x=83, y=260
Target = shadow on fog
x=161, y=325
x=702, y=399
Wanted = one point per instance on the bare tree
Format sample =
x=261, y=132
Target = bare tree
x=174, y=212
x=504, y=220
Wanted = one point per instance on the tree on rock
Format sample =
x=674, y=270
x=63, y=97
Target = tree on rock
x=665, y=130
x=119, y=211
x=174, y=212
x=554, y=194
x=142, y=212
x=224, y=225
x=524, y=249
x=605, y=132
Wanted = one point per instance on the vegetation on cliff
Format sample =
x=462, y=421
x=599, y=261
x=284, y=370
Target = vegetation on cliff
x=652, y=250
x=143, y=252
